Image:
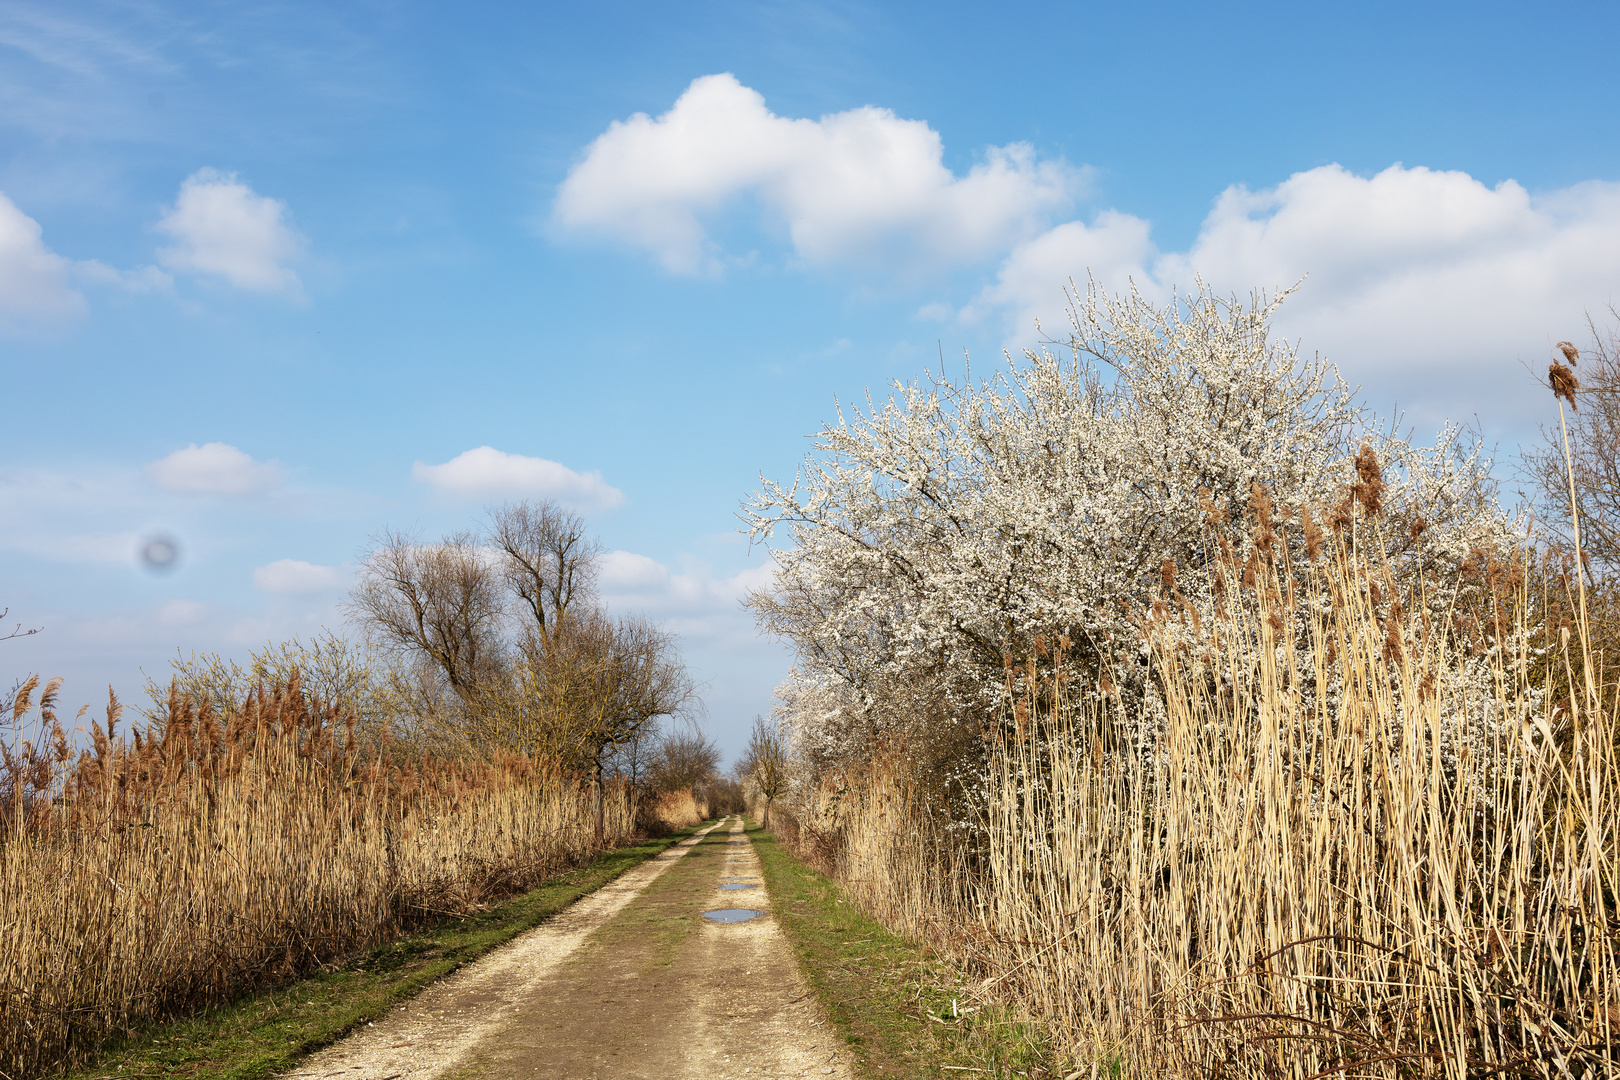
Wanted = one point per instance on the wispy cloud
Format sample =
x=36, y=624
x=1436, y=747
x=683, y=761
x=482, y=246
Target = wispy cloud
x=296, y=577
x=184, y=613
x=858, y=186
x=66, y=546
x=80, y=48
x=485, y=473
x=64, y=76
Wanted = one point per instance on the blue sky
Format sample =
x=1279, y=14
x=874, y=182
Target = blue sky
x=265, y=268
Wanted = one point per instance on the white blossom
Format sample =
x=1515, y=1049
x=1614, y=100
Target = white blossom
x=960, y=524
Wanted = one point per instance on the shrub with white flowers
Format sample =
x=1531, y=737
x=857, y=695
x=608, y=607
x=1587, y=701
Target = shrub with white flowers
x=961, y=524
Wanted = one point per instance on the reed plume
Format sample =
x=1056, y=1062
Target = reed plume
x=221, y=850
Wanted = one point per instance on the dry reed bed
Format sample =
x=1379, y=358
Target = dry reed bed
x=190, y=863
x=1338, y=840
x=675, y=809
x=871, y=833
x=1346, y=850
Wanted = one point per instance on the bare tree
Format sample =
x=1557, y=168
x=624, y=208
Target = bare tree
x=650, y=682
x=604, y=681
x=684, y=758
x=1594, y=444
x=633, y=759
x=439, y=602
x=600, y=685
x=509, y=622
x=550, y=562
x=765, y=765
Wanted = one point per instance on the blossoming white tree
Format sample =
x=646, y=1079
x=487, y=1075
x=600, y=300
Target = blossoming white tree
x=962, y=523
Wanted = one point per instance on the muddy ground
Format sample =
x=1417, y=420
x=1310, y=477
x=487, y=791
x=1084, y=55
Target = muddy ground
x=631, y=981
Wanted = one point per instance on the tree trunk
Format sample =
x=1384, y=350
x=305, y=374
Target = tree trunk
x=765, y=822
x=600, y=808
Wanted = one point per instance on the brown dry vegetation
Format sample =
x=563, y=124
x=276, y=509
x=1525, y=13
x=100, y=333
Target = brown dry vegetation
x=673, y=810
x=1325, y=845
x=208, y=854
x=1352, y=812
x=1593, y=462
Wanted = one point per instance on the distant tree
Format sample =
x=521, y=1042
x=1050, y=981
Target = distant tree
x=602, y=684
x=633, y=759
x=725, y=796
x=441, y=603
x=764, y=765
x=683, y=758
x=508, y=621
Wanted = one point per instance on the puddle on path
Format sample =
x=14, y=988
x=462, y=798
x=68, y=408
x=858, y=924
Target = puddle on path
x=732, y=915
x=737, y=885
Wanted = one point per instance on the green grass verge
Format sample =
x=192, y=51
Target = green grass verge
x=895, y=1003
x=268, y=1032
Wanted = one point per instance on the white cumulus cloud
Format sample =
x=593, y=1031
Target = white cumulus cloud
x=485, y=472
x=37, y=286
x=629, y=578
x=221, y=227
x=34, y=280
x=691, y=600
x=214, y=468
x=296, y=576
x=1418, y=279
x=857, y=185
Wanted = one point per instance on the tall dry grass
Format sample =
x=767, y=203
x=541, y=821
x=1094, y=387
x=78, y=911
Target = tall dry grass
x=672, y=810
x=871, y=830
x=210, y=854
x=1342, y=856
x=1344, y=835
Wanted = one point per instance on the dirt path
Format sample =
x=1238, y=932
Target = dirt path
x=631, y=981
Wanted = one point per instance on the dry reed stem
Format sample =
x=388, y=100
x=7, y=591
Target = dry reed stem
x=677, y=809
x=1301, y=868
x=1333, y=842
x=188, y=864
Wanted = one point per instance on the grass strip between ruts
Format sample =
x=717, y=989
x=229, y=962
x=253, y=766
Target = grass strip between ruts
x=269, y=1031
x=891, y=1000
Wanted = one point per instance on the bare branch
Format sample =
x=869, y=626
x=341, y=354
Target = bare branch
x=17, y=631
x=550, y=562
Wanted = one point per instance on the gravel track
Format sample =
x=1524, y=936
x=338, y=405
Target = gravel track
x=627, y=982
